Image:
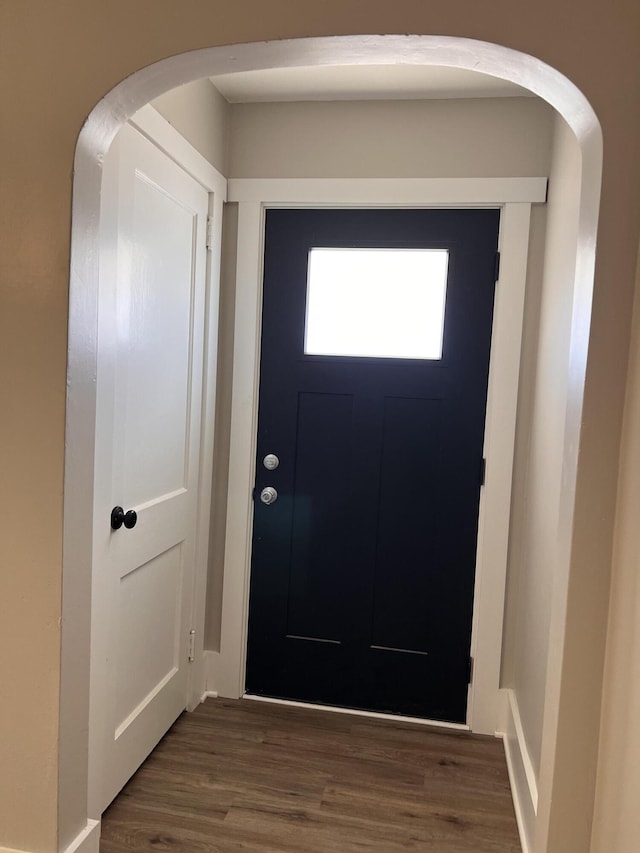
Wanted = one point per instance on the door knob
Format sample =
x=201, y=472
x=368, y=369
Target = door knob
x=120, y=517
x=268, y=495
x=270, y=461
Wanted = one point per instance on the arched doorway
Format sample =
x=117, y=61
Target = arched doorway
x=94, y=141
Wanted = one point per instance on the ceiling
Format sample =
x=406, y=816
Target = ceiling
x=362, y=82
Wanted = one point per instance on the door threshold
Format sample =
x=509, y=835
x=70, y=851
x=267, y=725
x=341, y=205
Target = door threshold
x=376, y=715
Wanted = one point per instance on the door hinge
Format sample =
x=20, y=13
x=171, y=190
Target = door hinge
x=483, y=469
x=192, y=645
x=470, y=678
x=209, y=232
x=496, y=269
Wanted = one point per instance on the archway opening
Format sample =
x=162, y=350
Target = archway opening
x=100, y=129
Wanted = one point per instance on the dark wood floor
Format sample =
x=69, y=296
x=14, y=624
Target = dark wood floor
x=261, y=778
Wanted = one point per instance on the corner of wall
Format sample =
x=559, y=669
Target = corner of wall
x=198, y=112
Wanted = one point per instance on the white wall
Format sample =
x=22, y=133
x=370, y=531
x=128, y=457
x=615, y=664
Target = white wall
x=540, y=446
x=352, y=139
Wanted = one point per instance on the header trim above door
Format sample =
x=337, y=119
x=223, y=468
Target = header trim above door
x=397, y=192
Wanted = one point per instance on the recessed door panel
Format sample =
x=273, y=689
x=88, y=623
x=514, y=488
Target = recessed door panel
x=154, y=341
x=148, y=633
x=321, y=498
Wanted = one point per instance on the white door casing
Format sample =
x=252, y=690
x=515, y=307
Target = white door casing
x=514, y=197
x=154, y=354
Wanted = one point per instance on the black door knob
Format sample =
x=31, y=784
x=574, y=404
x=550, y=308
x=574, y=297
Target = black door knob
x=120, y=517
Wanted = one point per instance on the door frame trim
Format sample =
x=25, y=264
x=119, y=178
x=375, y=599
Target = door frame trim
x=513, y=196
x=159, y=131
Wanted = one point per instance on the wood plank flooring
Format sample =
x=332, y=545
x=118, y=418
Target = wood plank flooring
x=260, y=778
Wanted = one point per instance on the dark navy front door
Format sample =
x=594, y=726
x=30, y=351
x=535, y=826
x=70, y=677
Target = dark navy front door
x=363, y=567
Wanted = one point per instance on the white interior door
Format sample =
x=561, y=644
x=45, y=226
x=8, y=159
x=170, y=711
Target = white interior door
x=149, y=392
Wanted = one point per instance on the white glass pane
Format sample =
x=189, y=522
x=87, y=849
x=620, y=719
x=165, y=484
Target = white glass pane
x=386, y=303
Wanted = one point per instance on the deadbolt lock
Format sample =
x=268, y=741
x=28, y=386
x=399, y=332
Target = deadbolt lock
x=271, y=462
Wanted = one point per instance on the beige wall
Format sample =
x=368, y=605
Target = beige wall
x=199, y=112
x=617, y=817
x=394, y=139
x=58, y=60
x=537, y=484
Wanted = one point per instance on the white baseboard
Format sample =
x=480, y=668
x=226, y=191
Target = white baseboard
x=211, y=661
x=87, y=841
x=522, y=777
